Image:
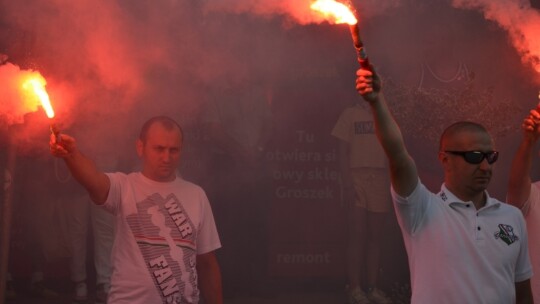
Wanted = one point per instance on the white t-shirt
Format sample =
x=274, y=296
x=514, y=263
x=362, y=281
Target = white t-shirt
x=458, y=254
x=532, y=216
x=160, y=229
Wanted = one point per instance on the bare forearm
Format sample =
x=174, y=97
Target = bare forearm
x=403, y=169
x=87, y=174
x=387, y=129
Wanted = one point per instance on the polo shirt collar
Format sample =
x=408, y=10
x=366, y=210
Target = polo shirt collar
x=449, y=198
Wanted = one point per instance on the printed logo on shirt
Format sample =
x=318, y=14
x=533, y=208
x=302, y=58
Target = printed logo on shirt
x=506, y=234
x=443, y=196
x=166, y=239
x=364, y=127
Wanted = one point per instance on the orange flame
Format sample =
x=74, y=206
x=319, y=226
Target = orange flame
x=336, y=11
x=36, y=84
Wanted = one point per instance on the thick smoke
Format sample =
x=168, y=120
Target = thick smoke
x=518, y=18
x=110, y=65
x=148, y=58
x=102, y=60
x=142, y=57
x=16, y=101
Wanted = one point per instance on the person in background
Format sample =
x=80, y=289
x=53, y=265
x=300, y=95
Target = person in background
x=365, y=182
x=34, y=240
x=85, y=214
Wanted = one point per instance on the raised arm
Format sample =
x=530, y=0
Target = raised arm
x=82, y=168
x=403, y=171
x=519, y=185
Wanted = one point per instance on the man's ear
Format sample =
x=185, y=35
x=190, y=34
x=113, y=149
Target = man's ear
x=443, y=157
x=139, y=145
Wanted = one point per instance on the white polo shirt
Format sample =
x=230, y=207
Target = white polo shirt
x=458, y=254
x=532, y=216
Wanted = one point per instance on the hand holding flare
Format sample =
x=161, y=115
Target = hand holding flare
x=55, y=132
x=531, y=123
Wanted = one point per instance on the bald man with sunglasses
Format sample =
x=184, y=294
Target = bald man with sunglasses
x=463, y=246
x=525, y=194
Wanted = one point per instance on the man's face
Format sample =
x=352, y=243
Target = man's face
x=160, y=152
x=460, y=174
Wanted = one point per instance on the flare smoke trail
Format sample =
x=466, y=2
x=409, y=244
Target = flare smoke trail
x=147, y=57
x=518, y=18
x=100, y=59
x=297, y=11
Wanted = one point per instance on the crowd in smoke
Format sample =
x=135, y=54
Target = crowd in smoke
x=110, y=65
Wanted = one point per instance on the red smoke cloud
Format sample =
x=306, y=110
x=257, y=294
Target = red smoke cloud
x=297, y=11
x=15, y=101
x=519, y=19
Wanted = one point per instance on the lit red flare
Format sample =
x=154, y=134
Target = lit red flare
x=36, y=85
x=334, y=11
x=339, y=12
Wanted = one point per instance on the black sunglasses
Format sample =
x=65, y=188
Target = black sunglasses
x=476, y=157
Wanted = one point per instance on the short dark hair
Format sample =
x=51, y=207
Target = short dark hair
x=458, y=127
x=165, y=121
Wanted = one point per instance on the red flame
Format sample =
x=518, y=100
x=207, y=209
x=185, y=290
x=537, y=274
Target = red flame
x=36, y=85
x=334, y=11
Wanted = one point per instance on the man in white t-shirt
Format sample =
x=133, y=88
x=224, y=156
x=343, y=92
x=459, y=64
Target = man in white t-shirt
x=165, y=231
x=525, y=194
x=463, y=246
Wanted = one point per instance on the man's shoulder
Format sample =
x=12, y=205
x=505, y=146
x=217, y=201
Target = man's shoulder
x=506, y=208
x=421, y=192
x=118, y=175
x=186, y=186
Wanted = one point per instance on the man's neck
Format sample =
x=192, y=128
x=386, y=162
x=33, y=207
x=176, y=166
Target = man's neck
x=477, y=198
x=159, y=179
